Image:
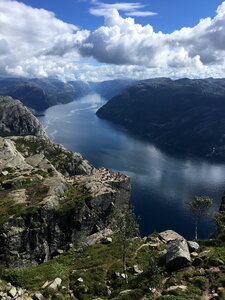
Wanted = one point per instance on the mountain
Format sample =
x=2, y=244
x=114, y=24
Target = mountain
x=50, y=197
x=39, y=94
x=183, y=114
x=16, y=119
x=110, y=88
x=64, y=233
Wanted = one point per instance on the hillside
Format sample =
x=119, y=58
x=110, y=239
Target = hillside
x=183, y=114
x=65, y=232
x=110, y=88
x=39, y=94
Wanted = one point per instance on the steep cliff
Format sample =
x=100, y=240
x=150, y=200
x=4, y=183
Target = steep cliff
x=16, y=119
x=41, y=210
x=50, y=198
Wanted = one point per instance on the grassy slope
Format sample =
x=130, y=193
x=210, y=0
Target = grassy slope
x=97, y=265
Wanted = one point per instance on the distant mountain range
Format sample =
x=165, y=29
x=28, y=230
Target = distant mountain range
x=184, y=114
x=110, y=88
x=39, y=94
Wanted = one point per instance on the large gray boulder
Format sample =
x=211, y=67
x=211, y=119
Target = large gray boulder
x=178, y=254
x=170, y=235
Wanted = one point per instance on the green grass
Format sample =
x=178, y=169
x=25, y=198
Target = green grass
x=73, y=198
x=9, y=208
x=97, y=265
x=57, y=156
x=36, y=191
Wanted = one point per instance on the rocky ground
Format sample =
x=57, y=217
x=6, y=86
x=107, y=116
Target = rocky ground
x=56, y=211
x=44, y=206
x=158, y=267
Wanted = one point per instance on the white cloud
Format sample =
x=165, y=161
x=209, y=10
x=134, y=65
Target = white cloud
x=26, y=33
x=120, y=41
x=130, y=9
x=33, y=42
x=137, y=13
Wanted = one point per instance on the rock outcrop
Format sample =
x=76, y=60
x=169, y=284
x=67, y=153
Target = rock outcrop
x=178, y=254
x=50, y=198
x=41, y=210
x=16, y=119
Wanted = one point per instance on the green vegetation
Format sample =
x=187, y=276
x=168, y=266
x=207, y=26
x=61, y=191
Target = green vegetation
x=9, y=208
x=74, y=198
x=56, y=154
x=199, y=207
x=97, y=272
x=35, y=192
x=99, y=266
x=126, y=227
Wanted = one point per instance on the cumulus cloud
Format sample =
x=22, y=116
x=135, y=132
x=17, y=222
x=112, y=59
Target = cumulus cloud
x=39, y=44
x=26, y=34
x=121, y=41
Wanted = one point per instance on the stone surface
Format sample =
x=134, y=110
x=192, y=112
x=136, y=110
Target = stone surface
x=194, y=254
x=204, y=254
x=12, y=292
x=43, y=174
x=193, y=246
x=16, y=119
x=175, y=287
x=38, y=296
x=107, y=240
x=170, y=235
x=197, y=261
x=137, y=270
x=178, y=254
x=55, y=284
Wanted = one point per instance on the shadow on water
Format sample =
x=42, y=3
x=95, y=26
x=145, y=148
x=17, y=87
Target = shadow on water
x=161, y=181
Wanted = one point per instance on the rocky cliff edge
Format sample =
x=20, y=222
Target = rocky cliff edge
x=50, y=198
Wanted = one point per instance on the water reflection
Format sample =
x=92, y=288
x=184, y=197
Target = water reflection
x=161, y=182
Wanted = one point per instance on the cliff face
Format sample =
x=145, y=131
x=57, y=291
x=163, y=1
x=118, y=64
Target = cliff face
x=16, y=119
x=50, y=198
x=42, y=212
x=184, y=114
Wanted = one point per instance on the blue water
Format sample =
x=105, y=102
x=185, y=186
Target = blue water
x=161, y=182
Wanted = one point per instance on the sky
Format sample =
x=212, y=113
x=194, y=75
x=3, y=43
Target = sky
x=93, y=40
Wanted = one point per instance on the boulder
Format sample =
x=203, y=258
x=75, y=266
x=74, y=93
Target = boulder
x=107, y=240
x=175, y=287
x=55, y=284
x=193, y=246
x=178, y=254
x=197, y=261
x=204, y=254
x=38, y=296
x=170, y=235
x=194, y=254
x=136, y=270
x=12, y=292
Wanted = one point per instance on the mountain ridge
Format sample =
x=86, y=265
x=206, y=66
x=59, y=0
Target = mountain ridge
x=180, y=114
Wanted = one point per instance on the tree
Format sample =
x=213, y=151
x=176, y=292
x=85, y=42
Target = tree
x=199, y=207
x=126, y=227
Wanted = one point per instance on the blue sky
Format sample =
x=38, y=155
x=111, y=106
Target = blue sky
x=172, y=15
x=94, y=40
